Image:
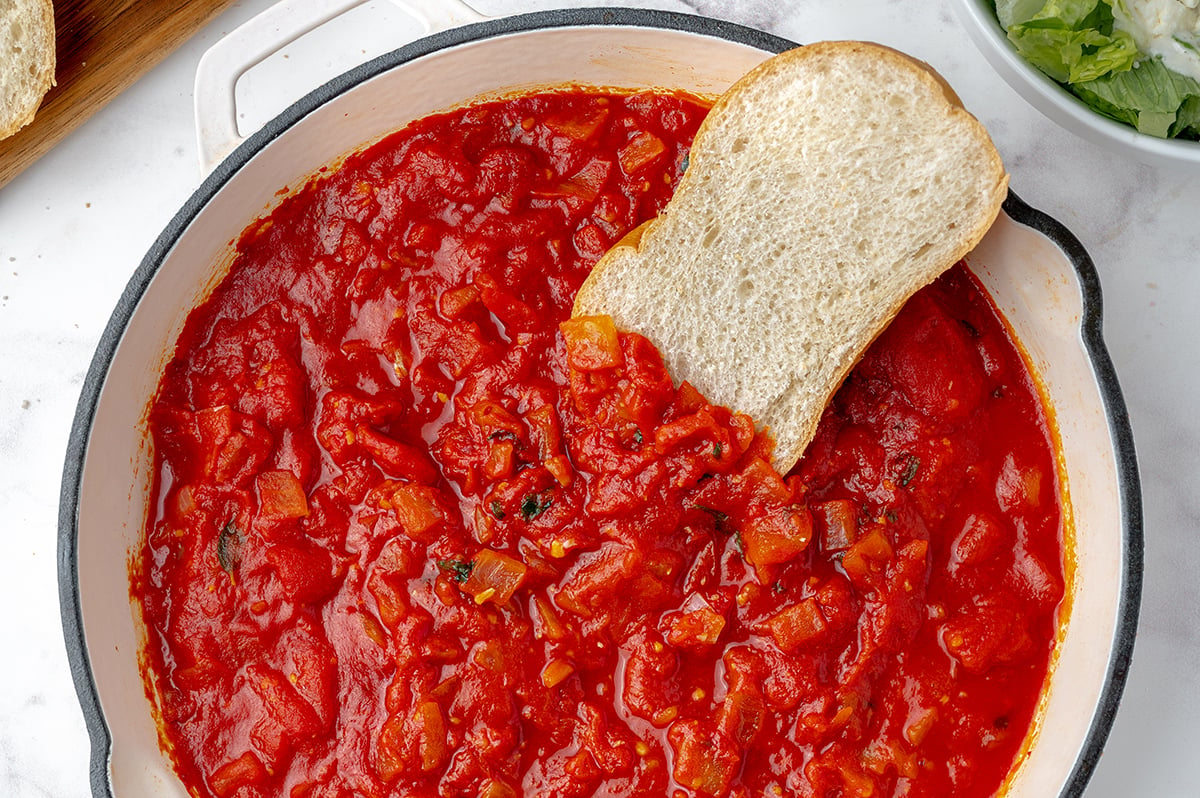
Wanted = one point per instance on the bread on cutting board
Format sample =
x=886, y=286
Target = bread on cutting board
x=825, y=188
x=27, y=60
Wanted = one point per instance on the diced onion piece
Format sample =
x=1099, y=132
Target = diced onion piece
x=556, y=671
x=777, y=536
x=592, y=343
x=920, y=720
x=494, y=577
x=742, y=716
x=185, y=501
x=578, y=126
x=418, y=510
x=493, y=788
x=641, y=150
x=868, y=552
x=796, y=625
x=584, y=185
x=373, y=630
x=545, y=430
x=431, y=735
x=837, y=524
x=499, y=462
x=559, y=467
x=742, y=427
x=546, y=621
x=698, y=629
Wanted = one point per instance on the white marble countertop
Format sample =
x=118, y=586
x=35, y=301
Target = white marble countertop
x=75, y=225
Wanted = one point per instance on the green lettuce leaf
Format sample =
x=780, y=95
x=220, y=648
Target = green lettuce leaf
x=1187, y=123
x=1149, y=97
x=1065, y=14
x=1072, y=41
x=1014, y=12
x=1071, y=56
x=1076, y=44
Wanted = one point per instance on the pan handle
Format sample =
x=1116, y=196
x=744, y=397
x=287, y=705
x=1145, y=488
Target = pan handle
x=254, y=41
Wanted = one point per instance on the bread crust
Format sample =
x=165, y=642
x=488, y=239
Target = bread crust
x=27, y=68
x=791, y=398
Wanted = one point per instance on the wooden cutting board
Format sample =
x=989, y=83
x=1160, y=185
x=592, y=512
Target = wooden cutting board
x=103, y=47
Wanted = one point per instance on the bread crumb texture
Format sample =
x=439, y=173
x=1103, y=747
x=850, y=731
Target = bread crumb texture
x=824, y=189
x=27, y=60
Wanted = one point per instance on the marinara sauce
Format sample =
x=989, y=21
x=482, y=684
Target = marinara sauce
x=418, y=533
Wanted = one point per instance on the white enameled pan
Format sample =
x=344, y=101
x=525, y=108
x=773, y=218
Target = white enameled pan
x=1036, y=271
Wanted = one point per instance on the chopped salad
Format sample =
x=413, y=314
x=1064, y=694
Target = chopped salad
x=1136, y=61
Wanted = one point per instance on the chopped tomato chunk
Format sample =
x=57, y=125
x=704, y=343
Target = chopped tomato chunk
x=280, y=495
x=232, y=776
x=305, y=571
x=705, y=759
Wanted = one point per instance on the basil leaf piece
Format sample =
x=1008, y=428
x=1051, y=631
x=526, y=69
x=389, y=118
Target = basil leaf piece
x=459, y=570
x=229, y=548
x=534, y=505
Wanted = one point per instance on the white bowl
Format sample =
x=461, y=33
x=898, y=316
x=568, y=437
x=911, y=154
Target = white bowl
x=1058, y=104
x=1038, y=274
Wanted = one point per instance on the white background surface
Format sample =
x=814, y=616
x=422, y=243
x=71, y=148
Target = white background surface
x=75, y=225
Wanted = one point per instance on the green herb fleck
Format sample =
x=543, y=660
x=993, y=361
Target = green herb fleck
x=891, y=516
x=717, y=451
x=497, y=508
x=459, y=570
x=911, y=464
x=229, y=548
x=717, y=514
x=534, y=505
x=637, y=436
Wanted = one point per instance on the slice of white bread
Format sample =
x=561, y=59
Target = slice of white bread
x=825, y=188
x=27, y=60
